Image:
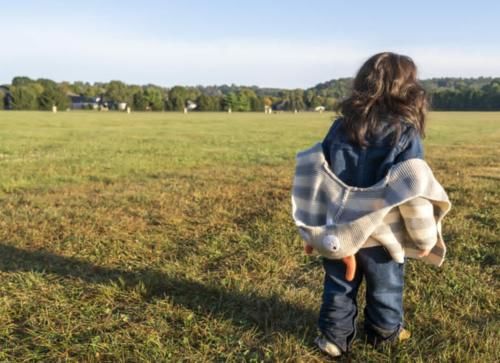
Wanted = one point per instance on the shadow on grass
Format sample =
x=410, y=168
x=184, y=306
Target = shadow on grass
x=268, y=313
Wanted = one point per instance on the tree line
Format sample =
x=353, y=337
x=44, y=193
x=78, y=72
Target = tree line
x=472, y=94
x=41, y=94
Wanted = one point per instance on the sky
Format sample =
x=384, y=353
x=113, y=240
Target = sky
x=281, y=43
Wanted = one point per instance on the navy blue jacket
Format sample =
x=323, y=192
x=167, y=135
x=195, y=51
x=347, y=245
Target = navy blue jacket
x=362, y=167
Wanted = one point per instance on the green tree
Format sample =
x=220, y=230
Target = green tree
x=231, y=101
x=22, y=81
x=24, y=97
x=3, y=99
x=177, y=98
x=139, y=101
x=330, y=103
x=52, y=95
x=316, y=101
x=247, y=100
x=154, y=98
x=297, y=100
x=257, y=104
x=117, y=92
x=206, y=103
x=243, y=102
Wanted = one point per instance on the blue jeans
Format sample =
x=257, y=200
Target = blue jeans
x=384, y=298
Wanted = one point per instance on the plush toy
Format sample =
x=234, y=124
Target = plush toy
x=349, y=262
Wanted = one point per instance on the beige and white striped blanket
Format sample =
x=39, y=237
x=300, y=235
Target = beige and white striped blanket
x=402, y=212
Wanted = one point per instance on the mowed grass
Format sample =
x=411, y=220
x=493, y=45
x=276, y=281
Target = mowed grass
x=168, y=237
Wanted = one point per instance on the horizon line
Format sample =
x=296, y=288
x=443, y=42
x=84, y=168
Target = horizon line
x=232, y=83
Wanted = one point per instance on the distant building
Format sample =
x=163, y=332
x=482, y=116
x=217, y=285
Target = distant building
x=79, y=102
x=280, y=106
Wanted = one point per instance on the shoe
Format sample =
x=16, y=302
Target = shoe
x=378, y=341
x=404, y=335
x=327, y=347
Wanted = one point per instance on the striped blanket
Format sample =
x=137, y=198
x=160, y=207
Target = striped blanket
x=402, y=212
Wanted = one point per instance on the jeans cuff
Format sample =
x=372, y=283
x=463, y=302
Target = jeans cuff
x=342, y=344
x=376, y=335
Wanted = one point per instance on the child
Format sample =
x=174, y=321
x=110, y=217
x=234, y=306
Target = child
x=373, y=204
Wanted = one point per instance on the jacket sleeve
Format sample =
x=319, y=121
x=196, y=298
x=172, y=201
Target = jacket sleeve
x=418, y=216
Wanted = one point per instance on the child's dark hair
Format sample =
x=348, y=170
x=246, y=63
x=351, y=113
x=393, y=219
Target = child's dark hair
x=386, y=87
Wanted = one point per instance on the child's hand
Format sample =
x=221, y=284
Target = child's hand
x=350, y=267
x=308, y=249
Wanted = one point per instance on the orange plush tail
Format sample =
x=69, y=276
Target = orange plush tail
x=350, y=267
x=349, y=262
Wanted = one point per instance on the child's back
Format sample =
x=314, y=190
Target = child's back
x=381, y=125
x=364, y=166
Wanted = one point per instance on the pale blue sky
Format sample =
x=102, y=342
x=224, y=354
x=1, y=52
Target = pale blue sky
x=266, y=43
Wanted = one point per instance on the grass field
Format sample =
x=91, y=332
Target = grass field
x=168, y=237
